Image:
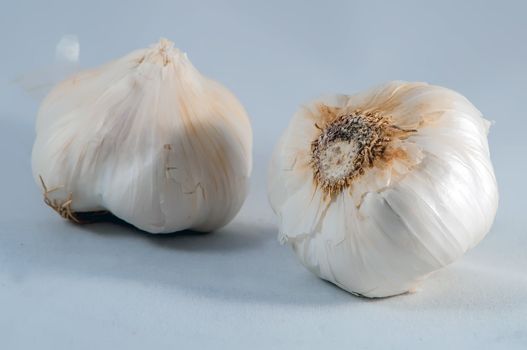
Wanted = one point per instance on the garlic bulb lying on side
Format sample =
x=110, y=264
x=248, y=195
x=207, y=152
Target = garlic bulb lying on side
x=377, y=190
x=147, y=138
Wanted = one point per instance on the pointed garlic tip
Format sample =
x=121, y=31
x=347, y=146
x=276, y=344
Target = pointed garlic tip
x=164, y=53
x=164, y=44
x=377, y=190
x=148, y=139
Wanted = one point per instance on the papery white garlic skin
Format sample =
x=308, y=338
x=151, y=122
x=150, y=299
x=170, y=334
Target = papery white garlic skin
x=407, y=216
x=148, y=138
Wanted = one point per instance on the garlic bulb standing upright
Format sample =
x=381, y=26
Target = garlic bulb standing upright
x=377, y=190
x=147, y=138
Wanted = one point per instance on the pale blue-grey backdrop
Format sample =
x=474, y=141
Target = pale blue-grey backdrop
x=107, y=286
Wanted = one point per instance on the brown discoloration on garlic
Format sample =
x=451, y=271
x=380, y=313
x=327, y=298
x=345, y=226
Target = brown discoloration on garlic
x=168, y=148
x=326, y=114
x=350, y=143
x=393, y=153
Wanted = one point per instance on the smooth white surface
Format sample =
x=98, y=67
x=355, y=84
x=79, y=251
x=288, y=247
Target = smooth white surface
x=109, y=286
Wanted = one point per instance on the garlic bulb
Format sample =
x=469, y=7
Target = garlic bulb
x=147, y=138
x=377, y=190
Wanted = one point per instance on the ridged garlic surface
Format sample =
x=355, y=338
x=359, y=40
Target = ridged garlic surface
x=147, y=138
x=377, y=190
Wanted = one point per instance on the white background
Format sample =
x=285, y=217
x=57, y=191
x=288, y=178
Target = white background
x=108, y=286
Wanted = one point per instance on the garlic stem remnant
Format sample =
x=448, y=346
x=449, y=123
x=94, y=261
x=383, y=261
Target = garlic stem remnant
x=348, y=145
x=147, y=138
x=377, y=190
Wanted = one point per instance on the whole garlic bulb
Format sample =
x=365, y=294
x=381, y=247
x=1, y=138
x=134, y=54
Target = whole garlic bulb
x=377, y=190
x=147, y=138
